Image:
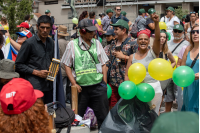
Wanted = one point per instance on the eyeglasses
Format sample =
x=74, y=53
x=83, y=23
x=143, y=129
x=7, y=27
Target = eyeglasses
x=119, y=9
x=192, y=12
x=179, y=31
x=195, y=31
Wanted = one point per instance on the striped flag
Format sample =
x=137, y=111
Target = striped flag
x=8, y=50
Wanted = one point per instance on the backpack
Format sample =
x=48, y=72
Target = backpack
x=134, y=29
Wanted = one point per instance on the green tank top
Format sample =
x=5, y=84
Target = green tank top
x=85, y=67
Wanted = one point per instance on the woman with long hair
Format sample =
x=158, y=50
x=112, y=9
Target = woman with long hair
x=4, y=23
x=83, y=15
x=144, y=56
x=188, y=26
x=166, y=54
x=191, y=59
x=99, y=29
x=22, y=110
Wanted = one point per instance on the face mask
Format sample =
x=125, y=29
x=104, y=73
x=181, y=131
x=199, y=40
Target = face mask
x=109, y=42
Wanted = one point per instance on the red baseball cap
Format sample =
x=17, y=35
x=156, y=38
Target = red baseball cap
x=24, y=24
x=18, y=96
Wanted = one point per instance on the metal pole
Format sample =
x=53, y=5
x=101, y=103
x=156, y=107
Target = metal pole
x=137, y=9
x=121, y=4
x=103, y=6
x=55, y=56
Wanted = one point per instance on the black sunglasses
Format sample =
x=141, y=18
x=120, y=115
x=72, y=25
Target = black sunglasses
x=119, y=9
x=195, y=31
x=179, y=31
x=192, y=12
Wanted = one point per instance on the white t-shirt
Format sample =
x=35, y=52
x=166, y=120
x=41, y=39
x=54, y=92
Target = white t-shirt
x=164, y=19
x=172, y=45
x=170, y=25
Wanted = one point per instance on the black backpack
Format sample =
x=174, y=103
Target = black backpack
x=64, y=117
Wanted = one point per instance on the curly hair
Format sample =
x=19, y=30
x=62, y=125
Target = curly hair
x=33, y=120
x=83, y=15
x=4, y=20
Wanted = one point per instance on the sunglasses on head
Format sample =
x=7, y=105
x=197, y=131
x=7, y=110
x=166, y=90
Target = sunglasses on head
x=119, y=9
x=179, y=31
x=195, y=31
x=192, y=12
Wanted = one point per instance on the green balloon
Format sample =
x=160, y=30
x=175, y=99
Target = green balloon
x=183, y=76
x=109, y=91
x=145, y=92
x=169, y=36
x=127, y=90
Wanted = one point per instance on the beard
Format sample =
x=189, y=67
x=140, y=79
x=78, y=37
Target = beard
x=176, y=37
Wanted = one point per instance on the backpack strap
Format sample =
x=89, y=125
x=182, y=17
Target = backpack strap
x=177, y=46
x=194, y=61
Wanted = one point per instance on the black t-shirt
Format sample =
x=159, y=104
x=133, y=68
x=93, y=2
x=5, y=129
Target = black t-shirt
x=148, y=21
x=1, y=55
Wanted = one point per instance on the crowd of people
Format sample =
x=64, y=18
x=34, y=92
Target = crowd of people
x=98, y=55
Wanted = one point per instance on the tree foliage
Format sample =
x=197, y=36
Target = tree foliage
x=180, y=12
x=15, y=11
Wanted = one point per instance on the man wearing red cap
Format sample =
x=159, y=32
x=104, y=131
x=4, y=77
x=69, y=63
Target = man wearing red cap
x=23, y=26
x=20, y=104
x=22, y=36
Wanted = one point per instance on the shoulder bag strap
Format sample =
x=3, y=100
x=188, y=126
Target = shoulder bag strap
x=177, y=46
x=194, y=61
x=89, y=53
x=191, y=25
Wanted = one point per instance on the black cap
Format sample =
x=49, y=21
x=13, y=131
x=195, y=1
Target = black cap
x=110, y=32
x=87, y=24
x=102, y=14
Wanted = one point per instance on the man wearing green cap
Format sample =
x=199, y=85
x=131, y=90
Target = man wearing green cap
x=123, y=13
x=48, y=13
x=119, y=52
x=141, y=22
x=149, y=22
x=175, y=45
x=105, y=22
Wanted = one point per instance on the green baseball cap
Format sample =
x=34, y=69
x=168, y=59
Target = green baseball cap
x=184, y=16
x=121, y=22
x=176, y=122
x=178, y=27
x=123, y=13
x=142, y=11
x=109, y=10
x=47, y=11
x=151, y=11
x=170, y=8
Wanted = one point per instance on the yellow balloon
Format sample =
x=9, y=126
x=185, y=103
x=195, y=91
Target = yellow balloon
x=136, y=73
x=5, y=27
x=98, y=21
x=160, y=69
x=176, y=59
x=162, y=25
